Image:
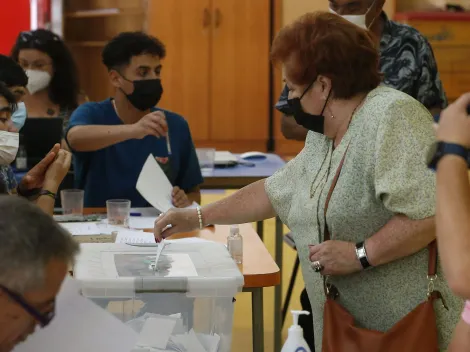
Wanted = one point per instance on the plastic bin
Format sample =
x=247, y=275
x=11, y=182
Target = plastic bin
x=196, y=282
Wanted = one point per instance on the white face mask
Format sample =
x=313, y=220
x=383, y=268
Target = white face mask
x=358, y=20
x=9, y=143
x=19, y=116
x=37, y=80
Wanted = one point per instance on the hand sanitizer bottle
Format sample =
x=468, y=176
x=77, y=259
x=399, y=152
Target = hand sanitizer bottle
x=235, y=244
x=295, y=340
x=21, y=158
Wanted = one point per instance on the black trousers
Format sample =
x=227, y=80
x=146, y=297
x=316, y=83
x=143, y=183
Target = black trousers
x=305, y=321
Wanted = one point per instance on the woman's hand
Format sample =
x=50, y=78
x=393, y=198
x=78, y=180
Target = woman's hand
x=175, y=221
x=180, y=198
x=57, y=171
x=336, y=257
x=36, y=176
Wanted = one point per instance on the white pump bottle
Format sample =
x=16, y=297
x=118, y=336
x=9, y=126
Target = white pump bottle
x=295, y=340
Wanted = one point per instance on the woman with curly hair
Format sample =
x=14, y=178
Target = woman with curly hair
x=53, y=83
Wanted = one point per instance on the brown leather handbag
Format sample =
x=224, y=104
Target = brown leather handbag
x=416, y=332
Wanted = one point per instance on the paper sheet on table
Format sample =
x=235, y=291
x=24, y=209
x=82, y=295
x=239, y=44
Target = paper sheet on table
x=79, y=326
x=142, y=222
x=81, y=228
x=134, y=237
x=155, y=187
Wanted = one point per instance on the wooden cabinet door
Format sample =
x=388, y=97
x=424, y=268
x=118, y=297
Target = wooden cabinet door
x=184, y=27
x=240, y=72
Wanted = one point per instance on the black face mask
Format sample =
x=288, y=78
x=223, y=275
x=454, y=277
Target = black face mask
x=315, y=123
x=147, y=93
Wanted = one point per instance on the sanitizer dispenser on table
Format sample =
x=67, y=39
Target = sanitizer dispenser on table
x=295, y=340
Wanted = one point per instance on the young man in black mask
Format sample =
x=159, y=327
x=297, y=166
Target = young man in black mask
x=112, y=139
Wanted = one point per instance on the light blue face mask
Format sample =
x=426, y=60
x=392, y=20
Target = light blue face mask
x=19, y=116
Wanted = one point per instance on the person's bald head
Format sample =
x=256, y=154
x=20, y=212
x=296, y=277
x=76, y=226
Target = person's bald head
x=372, y=8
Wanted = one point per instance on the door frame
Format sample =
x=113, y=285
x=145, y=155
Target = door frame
x=275, y=76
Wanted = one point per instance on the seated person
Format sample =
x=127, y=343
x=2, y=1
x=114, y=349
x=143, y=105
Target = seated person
x=41, y=182
x=53, y=87
x=112, y=139
x=34, y=258
x=16, y=81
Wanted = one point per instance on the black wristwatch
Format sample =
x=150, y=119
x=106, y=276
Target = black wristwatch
x=30, y=194
x=361, y=254
x=439, y=149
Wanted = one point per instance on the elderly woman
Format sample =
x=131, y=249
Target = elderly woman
x=381, y=212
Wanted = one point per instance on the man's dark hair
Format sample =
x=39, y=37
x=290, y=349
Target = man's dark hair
x=64, y=87
x=11, y=73
x=29, y=239
x=9, y=96
x=120, y=50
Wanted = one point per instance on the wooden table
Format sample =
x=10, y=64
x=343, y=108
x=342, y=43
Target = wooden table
x=259, y=269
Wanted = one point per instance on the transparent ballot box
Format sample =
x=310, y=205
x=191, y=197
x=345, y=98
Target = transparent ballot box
x=186, y=304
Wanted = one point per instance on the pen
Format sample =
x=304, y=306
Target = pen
x=168, y=146
x=135, y=214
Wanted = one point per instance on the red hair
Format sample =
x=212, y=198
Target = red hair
x=322, y=43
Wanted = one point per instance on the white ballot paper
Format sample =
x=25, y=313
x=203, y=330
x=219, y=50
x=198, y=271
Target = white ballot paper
x=80, y=325
x=160, y=247
x=154, y=186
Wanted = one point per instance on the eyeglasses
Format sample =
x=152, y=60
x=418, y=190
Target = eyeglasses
x=43, y=319
x=31, y=37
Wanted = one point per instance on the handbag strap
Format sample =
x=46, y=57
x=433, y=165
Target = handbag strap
x=432, y=247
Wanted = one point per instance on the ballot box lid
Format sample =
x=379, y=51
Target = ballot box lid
x=204, y=269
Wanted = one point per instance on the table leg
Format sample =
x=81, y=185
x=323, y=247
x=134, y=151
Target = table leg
x=257, y=319
x=260, y=229
x=278, y=289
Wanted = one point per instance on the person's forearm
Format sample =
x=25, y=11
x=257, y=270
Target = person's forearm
x=246, y=205
x=95, y=137
x=453, y=222
x=45, y=202
x=461, y=338
x=399, y=238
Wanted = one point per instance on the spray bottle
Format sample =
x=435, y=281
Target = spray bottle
x=295, y=340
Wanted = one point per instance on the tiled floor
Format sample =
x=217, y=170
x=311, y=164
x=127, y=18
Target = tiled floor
x=241, y=339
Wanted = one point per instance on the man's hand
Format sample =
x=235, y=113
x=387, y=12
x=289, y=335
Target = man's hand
x=454, y=124
x=336, y=257
x=35, y=177
x=57, y=171
x=153, y=124
x=180, y=198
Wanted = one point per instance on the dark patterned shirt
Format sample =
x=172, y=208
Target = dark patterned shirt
x=8, y=182
x=408, y=64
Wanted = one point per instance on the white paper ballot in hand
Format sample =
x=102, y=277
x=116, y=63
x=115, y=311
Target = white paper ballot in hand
x=160, y=247
x=80, y=325
x=154, y=186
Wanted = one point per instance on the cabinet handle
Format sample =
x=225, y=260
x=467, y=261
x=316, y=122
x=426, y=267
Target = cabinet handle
x=206, y=18
x=218, y=18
